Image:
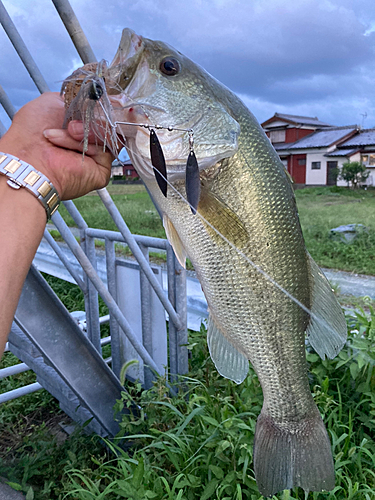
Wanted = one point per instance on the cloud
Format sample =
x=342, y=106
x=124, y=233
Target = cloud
x=311, y=55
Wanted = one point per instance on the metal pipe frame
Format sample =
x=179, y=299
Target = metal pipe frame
x=9, y=371
x=155, y=242
x=176, y=318
x=2, y=129
x=105, y=341
x=147, y=241
x=101, y=288
x=5, y=101
x=65, y=261
x=21, y=391
x=172, y=330
x=75, y=31
x=146, y=319
x=104, y=319
x=144, y=265
x=75, y=215
x=117, y=343
x=92, y=298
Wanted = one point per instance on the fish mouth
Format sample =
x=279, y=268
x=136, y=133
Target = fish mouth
x=125, y=63
x=134, y=116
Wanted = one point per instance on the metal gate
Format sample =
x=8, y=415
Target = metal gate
x=68, y=362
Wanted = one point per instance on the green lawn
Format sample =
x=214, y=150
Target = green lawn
x=320, y=209
x=132, y=201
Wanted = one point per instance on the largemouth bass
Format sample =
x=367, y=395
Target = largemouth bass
x=244, y=239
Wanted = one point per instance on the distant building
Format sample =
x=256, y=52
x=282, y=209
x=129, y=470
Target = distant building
x=283, y=128
x=312, y=150
x=124, y=168
x=361, y=148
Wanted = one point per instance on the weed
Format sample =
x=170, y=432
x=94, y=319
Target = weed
x=198, y=445
x=322, y=209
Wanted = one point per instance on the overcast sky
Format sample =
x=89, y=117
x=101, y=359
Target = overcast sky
x=305, y=57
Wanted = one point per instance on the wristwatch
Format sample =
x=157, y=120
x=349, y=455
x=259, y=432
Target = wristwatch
x=21, y=174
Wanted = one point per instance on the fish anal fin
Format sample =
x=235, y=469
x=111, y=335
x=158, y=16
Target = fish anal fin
x=175, y=240
x=222, y=217
x=300, y=455
x=229, y=362
x=325, y=341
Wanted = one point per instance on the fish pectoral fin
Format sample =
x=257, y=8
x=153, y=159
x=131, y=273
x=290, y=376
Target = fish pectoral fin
x=175, y=240
x=222, y=218
x=326, y=340
x=229, y=362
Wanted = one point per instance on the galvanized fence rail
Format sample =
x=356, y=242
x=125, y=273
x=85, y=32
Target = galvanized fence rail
x=60, y=366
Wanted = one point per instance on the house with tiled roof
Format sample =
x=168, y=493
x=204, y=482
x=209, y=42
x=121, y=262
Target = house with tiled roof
x=360, y=147
x=306, y=159
x=282, y=128
x=313, y=158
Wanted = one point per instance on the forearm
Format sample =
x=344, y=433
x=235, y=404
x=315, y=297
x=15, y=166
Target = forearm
x=36, y=137
x=22, y=221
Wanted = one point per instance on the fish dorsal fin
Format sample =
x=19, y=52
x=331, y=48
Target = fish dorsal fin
x=222, y=217
x=229, y=362
x=326, y=342
x=175, y=240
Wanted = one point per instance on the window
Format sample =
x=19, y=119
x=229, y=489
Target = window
x=302, y=161
x=128, y=172
x=368, y=159
x=315, y=165
x=277, y=136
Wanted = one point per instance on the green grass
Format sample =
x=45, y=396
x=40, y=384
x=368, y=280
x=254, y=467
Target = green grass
x=134, y=204
x=198, y=445
x=322, y=209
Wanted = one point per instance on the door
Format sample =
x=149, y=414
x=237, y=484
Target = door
x=331, y=173
x=298, y=170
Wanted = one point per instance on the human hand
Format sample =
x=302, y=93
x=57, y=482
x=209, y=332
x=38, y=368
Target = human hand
x=36, y=137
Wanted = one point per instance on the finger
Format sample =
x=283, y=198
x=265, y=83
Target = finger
x=62, y=138
x=77, y=131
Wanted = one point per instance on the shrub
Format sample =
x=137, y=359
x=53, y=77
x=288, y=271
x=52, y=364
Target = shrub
x=354, y=173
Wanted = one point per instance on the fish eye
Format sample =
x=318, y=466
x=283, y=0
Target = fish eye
x=169, y=66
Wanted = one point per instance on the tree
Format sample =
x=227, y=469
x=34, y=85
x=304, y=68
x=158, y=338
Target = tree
x=354, y=172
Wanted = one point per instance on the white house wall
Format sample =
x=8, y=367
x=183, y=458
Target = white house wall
x=317, y=177
x=371, y=177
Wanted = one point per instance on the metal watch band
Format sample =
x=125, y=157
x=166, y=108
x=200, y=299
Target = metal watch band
x=21, y=174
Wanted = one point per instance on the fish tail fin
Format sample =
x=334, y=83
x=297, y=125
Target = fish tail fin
x=284, y=459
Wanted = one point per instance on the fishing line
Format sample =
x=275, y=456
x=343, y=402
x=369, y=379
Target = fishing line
x=269, y=278
x=113, y=125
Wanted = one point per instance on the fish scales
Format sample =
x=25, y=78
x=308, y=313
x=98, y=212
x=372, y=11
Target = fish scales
x=262, y=334
x=246, y=218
